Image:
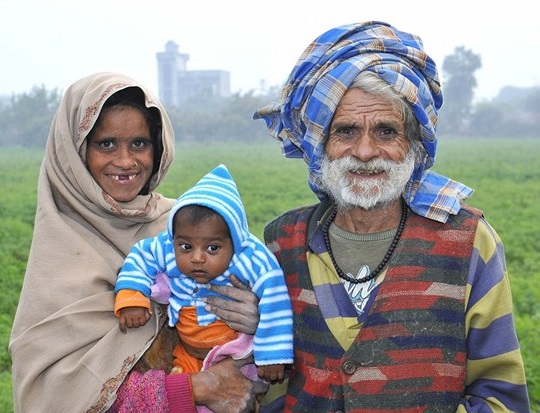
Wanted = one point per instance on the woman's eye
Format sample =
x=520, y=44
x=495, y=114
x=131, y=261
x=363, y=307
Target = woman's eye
x=106, y=144
x=141, y=144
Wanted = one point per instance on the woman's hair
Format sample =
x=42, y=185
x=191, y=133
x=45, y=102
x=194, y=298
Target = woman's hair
x=370, y=82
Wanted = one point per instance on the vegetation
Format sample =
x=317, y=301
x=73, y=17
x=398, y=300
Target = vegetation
x=505, y=173
x=459, y=88
x=25, y=119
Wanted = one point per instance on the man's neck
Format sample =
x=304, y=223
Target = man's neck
x=363, y=221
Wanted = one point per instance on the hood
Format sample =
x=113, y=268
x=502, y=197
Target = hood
x=217, y=191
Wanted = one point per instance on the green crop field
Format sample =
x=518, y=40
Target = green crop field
x=504, y=173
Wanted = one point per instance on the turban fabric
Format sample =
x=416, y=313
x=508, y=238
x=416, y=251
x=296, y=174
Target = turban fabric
x=321, y=77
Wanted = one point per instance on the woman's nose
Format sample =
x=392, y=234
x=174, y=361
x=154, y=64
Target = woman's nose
x=124, y=159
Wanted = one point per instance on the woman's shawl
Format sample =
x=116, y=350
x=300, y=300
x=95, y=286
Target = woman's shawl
x=68, y=352
x=321, y=77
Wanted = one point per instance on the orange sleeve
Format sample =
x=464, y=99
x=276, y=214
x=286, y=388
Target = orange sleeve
x=131, y=298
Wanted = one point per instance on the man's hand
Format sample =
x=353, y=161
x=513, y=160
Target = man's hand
x=242, y=312
x=224, y=389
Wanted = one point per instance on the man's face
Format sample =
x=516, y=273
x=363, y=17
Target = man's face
x=368, y=160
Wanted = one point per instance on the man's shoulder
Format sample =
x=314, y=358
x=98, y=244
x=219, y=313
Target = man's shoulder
x=471, y=210
x=288, y=218
x=296, y=211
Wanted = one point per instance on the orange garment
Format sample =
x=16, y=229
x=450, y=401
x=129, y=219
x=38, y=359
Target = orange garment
x=203, y=337
x=130, y=298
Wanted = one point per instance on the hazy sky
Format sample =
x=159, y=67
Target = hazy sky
x=55, y=42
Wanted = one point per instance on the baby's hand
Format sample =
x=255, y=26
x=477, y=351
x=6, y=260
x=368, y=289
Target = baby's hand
x=272, y=372
x=133, y=317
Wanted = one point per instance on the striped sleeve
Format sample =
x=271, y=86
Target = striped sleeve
x=495, y=371
x=145, y=260
x=273, y=340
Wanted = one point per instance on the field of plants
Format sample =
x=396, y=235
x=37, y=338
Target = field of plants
x=504, y=173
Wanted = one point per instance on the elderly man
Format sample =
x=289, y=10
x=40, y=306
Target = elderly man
x=400, y=293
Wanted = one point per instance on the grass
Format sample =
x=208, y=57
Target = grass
x=504, y=173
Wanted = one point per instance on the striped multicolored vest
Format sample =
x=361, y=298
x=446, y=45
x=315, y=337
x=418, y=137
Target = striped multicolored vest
x=410, y=355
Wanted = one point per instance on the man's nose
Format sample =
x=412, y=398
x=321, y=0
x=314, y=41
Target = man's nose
x=365, y=148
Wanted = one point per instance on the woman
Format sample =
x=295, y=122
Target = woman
x=109, y=147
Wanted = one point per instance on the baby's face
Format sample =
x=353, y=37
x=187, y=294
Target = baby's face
x=204, y=250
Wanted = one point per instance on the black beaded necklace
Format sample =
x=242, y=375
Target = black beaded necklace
x=386, y=258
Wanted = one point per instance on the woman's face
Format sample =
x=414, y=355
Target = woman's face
x=120, y=153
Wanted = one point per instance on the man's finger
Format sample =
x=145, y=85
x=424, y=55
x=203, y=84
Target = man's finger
x=220, y=302
x=244, y=362
x=239, y=284
x=238, y=292
x=259, y=387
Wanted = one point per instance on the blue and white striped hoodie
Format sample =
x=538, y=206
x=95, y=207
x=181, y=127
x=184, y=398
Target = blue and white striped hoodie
x=252, y=262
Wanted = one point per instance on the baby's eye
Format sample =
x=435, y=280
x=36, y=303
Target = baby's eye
x=212, y=249
x=185, y=247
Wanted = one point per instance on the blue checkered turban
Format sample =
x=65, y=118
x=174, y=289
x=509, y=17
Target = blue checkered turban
x=321, y=77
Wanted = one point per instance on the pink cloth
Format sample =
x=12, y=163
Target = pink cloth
x=161, y=291
x=154, y=392
x=142, y=393
x=238, y=349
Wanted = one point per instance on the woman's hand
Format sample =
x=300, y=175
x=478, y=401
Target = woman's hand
x=224, y=389
x=242, y=313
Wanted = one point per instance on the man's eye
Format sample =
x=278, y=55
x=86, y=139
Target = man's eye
x=387, y=133
x=345, y=131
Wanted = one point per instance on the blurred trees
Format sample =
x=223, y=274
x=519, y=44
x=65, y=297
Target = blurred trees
x=25, y=119
x=458, y=90
x=514, y=112
x=223, y=119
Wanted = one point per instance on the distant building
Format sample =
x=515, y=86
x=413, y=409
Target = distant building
x=176, y=84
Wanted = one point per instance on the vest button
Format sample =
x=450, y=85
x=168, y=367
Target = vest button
x=348, y=367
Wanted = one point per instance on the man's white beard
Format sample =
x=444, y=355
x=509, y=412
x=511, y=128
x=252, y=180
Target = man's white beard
x=348, y=192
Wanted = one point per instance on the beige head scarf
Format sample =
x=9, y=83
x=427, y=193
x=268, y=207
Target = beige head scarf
x=68, y=352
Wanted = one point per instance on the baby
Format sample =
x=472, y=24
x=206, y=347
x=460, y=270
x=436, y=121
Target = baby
x=206, y=241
